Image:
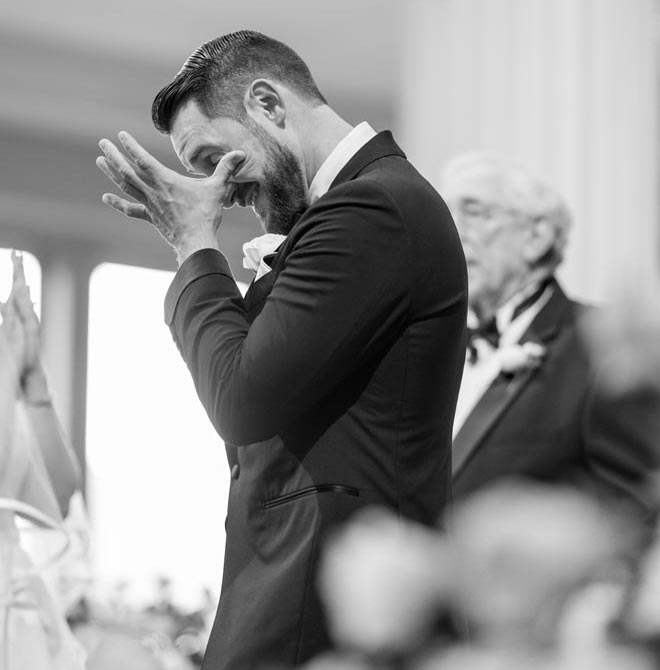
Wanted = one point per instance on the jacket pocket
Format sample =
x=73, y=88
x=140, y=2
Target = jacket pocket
x=311, y=490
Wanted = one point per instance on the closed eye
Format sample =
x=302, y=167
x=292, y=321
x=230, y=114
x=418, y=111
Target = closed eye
x=212, y=161
x=202, y=163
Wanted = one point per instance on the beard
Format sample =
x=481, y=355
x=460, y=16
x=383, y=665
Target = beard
x=284, y=186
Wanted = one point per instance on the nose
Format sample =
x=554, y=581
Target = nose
x=240, y=193
x=231, y=195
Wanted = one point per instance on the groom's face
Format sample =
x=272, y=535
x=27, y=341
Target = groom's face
x=270, y=179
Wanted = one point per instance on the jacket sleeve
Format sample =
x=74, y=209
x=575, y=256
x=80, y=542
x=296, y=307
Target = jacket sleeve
x=340, y=300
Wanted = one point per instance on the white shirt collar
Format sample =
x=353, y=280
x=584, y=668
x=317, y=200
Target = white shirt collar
x=339, y=156
x=504, y=314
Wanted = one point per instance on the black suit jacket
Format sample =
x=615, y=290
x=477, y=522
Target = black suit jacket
x=553, y=424
x=334, y=386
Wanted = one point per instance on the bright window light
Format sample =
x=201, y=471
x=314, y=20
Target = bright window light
x=32, y=275
x=157, y=472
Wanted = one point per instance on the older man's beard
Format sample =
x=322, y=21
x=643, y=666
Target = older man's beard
x=284, y=186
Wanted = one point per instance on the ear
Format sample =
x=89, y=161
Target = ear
x=540, y=239
x=263, y=98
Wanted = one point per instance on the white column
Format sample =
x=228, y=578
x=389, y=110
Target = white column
x=570, y=88
x=65, y=295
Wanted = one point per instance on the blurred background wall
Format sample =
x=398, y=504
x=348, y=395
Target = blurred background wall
x=570, y=87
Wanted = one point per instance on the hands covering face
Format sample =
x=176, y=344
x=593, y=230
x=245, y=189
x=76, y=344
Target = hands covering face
x=186, y=211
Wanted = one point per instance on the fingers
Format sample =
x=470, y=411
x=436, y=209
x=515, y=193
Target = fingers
x=19, y=299
x=147, y=166
x=117, y=168
x=18, y=270
x=229, y=165
x=25, y=308
x=131, y=209
x=126, y=186
x=19, y=288
x=8, y=312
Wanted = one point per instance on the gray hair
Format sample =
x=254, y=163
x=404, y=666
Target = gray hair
x=521, y=190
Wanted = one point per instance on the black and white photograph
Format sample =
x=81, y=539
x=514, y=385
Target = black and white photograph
x=330, y=335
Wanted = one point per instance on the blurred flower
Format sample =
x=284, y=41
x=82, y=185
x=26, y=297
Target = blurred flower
x=483, y=658
x=607, y=657
x=502, y=658
x=336, y=661
x=519, y=357
x=643, y=617
x=588, y=615
x=382, y=581
x=519, y=552
x=112, y=650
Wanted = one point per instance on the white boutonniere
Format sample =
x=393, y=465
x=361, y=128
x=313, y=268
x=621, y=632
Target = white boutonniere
x=519, y=357
x=255, y=250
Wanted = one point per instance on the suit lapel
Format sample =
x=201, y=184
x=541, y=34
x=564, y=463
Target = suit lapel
x=381, y=145
x=503, y=391
x=500, y=394
x=260, y=289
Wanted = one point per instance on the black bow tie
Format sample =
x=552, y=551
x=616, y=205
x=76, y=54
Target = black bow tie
x=488, y=329
x=485, y=331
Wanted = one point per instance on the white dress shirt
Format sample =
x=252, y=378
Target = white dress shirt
x=338, y=158
x=479, y=375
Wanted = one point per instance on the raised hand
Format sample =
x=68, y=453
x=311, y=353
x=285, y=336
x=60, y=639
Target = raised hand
x=186, y=211
x=23, y=332
x=20, y=298
x=12, y=342
x=17, y=326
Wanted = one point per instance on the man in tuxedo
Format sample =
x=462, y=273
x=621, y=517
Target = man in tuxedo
x=334, y=382
x=530, y=404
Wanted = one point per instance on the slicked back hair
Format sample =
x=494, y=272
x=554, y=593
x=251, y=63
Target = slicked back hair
x=217, y=74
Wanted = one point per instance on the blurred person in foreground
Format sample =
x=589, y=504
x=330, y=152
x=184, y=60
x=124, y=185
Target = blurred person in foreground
x=334, y=382
x=41, y=533
x=538, y=573
x=531, y=403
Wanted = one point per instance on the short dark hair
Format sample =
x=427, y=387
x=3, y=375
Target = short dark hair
x=218, y=72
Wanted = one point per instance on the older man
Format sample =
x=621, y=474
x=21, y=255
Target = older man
x=529, y=404
x=334, y=382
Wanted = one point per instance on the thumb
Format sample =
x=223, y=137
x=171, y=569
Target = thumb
x=229, y=165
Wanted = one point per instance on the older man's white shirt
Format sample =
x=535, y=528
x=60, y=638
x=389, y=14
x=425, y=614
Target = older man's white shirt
x=478, y=376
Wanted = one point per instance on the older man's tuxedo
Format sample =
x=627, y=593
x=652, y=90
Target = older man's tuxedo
x=333, y=384
x=552, y=424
